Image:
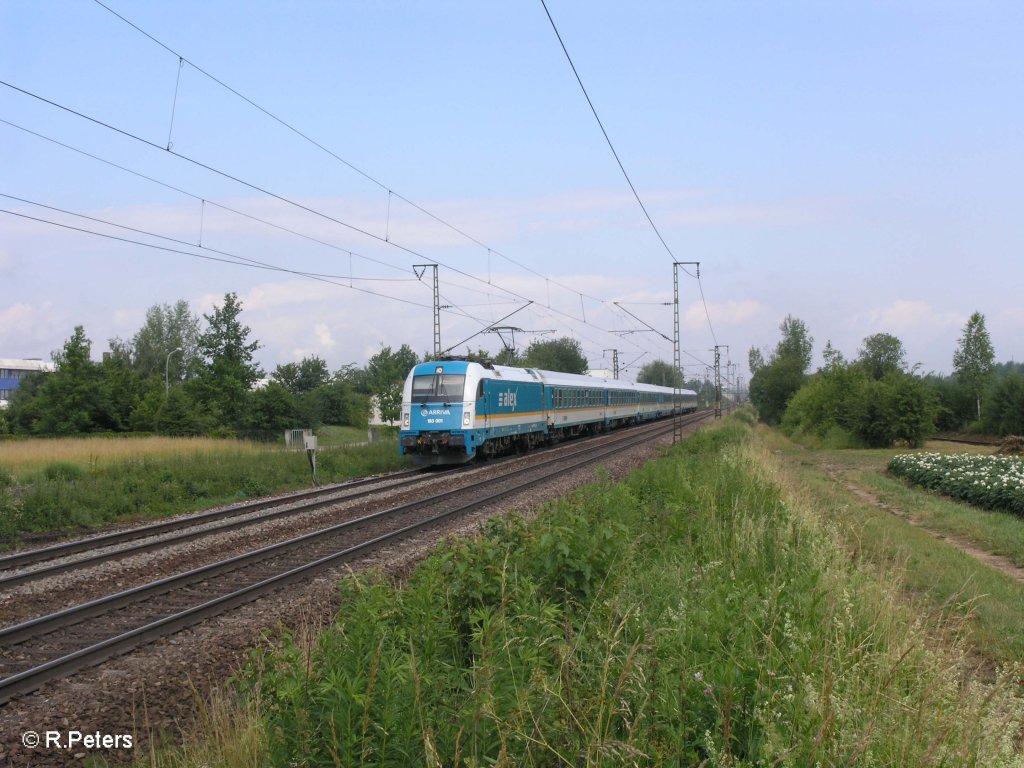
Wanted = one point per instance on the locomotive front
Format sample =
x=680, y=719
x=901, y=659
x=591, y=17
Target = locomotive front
x=437, y=412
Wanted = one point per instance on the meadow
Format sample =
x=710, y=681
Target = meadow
x=65, y=486
x=706, y=611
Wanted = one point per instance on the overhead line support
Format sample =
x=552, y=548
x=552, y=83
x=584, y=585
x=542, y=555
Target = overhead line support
x=420, y=269
x=678, y=379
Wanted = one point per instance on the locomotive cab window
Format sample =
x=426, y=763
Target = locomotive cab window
x=446, y=386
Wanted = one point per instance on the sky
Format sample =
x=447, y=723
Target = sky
x=858, y=165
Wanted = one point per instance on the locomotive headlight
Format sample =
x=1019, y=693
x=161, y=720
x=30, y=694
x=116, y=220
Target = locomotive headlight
x=467, y=417
x=405, y=419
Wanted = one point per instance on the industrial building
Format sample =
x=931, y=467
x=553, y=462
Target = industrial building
x=13, y=371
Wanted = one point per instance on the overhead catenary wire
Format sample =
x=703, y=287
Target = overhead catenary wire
x=554, y=310
x=279, y=197
x=234, y=211
x=207, y=257
x=618, y=160
x=222, y=256
x=322, y=147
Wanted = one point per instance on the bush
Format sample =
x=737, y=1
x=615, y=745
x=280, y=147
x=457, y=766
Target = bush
x=844, y=407
x=1003, y=412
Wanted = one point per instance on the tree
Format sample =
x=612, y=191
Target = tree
x=564, y=355
x=880, y=354
x=152, y=349
x=125, y=388
x=775, y=382
x=385, y=375
x=660, y=373
x=833, y=357
x=23, y=410
x=755, y=360
x=509, y=356
x=796, y=343
x=271, y=409
x=302, y=377
x=1004, y=414
x=176, y=413
x=895, y=408
x=74, y=397
x=974, y=357
x=227, y=372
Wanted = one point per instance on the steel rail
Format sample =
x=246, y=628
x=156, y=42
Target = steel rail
x=41, y=625
x=41, y=554
x=31, y=679
x=335, y=497
x=31, y=557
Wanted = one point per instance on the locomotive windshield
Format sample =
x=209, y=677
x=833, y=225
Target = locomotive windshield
x=443, y=386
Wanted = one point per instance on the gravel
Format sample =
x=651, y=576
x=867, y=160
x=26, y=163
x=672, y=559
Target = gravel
x=155, y=691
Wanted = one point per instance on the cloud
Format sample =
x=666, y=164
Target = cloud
x=725, y=314
x=774, y=213
x=908, y=315
x=28, y=330
x=8, y=262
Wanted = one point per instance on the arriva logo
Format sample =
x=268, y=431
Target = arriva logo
x=436, y=412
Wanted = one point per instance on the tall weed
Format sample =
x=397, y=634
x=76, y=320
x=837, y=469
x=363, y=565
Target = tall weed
x=693, y=615
x=64, y=496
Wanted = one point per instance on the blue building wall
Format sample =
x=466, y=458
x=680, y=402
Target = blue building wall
x=12, y=371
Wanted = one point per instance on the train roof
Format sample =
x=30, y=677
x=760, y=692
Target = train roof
x=551, y=378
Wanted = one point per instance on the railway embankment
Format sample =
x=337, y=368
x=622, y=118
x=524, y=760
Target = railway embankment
x=728, y=602
x=152, y=690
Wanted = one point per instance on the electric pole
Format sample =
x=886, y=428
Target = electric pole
x=677, y=394
x=718, y=384
x=615, y=362
x=420, y=269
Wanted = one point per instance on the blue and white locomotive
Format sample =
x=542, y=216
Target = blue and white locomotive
x=454, y=410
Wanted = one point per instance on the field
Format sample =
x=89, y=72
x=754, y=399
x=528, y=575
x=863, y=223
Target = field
x=28, y=457
x=739, y=602
x=993, y=482
x=69, y=485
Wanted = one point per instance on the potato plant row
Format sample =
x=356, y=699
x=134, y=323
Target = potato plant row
x=992, y=482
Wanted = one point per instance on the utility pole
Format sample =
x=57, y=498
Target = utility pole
x=677, y=394
x=420, y=269
x=718, y=381
x=615, y=362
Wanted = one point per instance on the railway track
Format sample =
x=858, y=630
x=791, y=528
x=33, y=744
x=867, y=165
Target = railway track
x=953, y=437
x=20, y=568
x=56, y=645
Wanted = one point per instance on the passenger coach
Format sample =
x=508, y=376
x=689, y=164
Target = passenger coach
x=455, y=410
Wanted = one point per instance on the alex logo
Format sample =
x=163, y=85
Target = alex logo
x=507, y=399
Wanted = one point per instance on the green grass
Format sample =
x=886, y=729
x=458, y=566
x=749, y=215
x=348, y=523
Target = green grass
x=939, y=577
x=328, y=436
x=69, y=496
x=696, y=614
x=992, y=531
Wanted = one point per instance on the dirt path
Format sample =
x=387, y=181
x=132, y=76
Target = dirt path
x=840, y=475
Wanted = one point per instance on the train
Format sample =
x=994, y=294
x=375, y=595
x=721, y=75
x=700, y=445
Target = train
x=458, y=410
